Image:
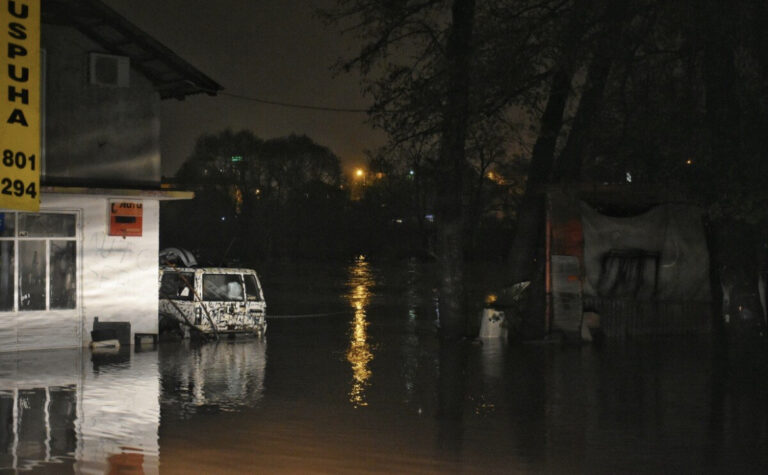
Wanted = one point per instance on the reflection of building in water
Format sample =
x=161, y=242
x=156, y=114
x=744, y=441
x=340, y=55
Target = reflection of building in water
x=221, y=376
x=120, y=415
x=39, y=426
x=359, y=353
x=58, y=411
x=38, y=409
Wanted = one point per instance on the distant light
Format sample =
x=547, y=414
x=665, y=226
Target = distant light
x=359, y=173
x=629, y=177
x=411, y=173
x=430, y=217
x=689, y=162
x=223, y=218
x=237, y=158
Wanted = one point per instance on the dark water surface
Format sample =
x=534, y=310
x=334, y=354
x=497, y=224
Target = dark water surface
x=355, y=381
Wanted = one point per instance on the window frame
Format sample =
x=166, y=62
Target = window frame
x=16, y=239
x=186, y=277
x=257, y=295
x=220, y=291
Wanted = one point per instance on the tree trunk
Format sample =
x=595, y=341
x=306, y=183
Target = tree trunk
x=452, y=167
x=528, y=255
x=567, y=169
x=530, y=214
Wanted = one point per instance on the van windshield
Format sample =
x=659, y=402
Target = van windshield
x=222, y=287
x=252, y=287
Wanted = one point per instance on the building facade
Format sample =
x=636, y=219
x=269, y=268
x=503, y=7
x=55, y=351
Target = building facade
x=92, y=249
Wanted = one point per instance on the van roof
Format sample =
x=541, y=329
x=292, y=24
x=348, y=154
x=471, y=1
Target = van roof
x=210, y=270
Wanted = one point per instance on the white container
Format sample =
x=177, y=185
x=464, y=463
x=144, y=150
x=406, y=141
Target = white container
x=492, y=324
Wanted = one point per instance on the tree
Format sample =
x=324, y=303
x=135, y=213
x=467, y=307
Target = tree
x=436, y=79
x=226, y=173
x=299, y=175
x=666, y=93
x=263, y=199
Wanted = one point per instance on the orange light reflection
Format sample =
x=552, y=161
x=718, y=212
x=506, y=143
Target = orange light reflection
x=359, y=353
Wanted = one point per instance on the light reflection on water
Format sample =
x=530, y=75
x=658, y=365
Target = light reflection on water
x=288, y=404
x=360, y=283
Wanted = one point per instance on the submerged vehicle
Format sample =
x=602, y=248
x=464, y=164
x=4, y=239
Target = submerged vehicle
x=210, y=300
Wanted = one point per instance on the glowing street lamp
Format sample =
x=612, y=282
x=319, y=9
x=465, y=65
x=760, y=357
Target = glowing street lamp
x=360, y=176
x=358, y=184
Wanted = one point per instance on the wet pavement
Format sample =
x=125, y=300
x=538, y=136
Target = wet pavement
x=358, y=383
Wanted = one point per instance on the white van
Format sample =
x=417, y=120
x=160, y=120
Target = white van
x=211, y=301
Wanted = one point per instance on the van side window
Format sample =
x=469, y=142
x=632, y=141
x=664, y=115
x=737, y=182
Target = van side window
x=252, y=287
x=222, y=287
x=177, y=285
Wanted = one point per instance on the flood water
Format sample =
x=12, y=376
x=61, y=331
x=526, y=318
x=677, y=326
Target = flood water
x=352, y=379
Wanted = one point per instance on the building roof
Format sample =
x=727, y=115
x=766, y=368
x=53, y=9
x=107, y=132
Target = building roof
x=172, y=76
x=124, y=193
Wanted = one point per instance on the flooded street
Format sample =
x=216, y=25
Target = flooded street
x=356, y=382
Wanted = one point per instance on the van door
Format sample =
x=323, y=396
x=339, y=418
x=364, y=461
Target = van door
x=224, y=301
x=176, y=298
x=256, y=306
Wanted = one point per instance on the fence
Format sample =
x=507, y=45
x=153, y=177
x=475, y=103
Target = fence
x=620, y=318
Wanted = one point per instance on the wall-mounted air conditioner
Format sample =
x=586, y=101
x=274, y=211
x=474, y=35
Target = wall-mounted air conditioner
x=109, y=70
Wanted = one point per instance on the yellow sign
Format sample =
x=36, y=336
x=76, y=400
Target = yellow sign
x=20, y=104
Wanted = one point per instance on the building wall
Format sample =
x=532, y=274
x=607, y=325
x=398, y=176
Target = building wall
x=117, y=280
x=119, y=274
x=95, y=134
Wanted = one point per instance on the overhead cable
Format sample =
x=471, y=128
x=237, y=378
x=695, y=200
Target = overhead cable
x=293, y=105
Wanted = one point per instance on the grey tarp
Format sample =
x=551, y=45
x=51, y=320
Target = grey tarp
x=660, y=254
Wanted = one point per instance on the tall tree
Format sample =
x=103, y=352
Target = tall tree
x=657, y=92
x=452, y=165
x=436, y=75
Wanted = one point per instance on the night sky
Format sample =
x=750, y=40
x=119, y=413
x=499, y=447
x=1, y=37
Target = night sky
x=275, y=50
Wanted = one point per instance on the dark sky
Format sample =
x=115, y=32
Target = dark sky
x=275, y=50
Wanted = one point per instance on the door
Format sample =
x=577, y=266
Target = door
x=177, y=302
x=224, y=302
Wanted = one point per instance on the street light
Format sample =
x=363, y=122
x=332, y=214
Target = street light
x=358, y=184
x=360, y=176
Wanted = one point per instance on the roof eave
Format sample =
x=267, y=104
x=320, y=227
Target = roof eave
x=172, y=77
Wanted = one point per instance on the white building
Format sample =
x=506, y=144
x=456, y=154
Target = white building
x=92, y=249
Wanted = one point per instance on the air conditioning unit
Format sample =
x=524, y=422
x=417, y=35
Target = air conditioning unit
x=109, y=70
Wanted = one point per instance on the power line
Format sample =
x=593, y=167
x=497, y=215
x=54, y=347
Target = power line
x=293, y=105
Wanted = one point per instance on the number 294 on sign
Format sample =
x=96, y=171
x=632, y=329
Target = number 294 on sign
x=13, y=161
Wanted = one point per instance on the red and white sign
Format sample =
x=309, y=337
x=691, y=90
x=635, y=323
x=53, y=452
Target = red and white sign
x=125, y=218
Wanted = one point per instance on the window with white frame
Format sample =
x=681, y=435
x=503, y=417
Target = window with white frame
x=38, y=261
